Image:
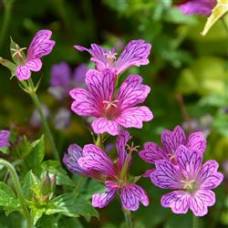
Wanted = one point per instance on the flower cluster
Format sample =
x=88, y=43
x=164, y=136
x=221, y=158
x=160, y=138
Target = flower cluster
x=94, y=162
x=178, y=166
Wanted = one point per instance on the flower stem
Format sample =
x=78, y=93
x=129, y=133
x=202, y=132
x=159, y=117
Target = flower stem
x=18, y=190
x=224, y=23
x=128, y=219
x=195, y=222
x=45, y=125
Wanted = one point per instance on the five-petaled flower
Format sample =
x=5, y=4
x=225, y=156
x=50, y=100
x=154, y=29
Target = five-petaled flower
x=203, y=7
x=92, y=161
x=191, y=181
x=40, y=46
x=4, y=138
x=134, y=54
x=171, y=140
x=111, y=110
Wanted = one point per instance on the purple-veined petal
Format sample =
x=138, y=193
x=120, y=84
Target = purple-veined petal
x=197, y=142
x=152, y=152
x=22, y=73
x=178, y=201
x=200, y=201
x=4, y=138
x=102, y=125
x=41, y=45
x=171, y=140
x=134, y=54
x=189, y=162
x=101, y=200
x=70, y=159
x=166, y=175
x=198, y=7
x=34, y=65
x=84, y=104
x=134, y=117
x=121, y=143
x=208, y=177
x=132, y=195
x=148, y=172
x=61, y=76
x=94, y=158
x=101, y=84
x=132, y=92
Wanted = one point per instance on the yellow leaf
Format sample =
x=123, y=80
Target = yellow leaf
x=220, y=9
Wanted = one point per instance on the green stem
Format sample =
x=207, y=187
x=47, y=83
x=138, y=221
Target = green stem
x=195, y=222
x=128, y=219
x=18, y=190
x=224, y=23
x=6, y=20
x=45, y=125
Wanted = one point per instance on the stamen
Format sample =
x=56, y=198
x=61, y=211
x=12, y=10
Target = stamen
x=110, y=104
x=131, y=148
x=110, y=56
x=188, y=184
x=171, y=156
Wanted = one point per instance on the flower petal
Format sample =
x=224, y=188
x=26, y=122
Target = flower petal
x=94, y=158
x=208, y=177
x=197, y=142
x=132, y=92
x=102, y=125
x=34, y=65
x=134, y=117
x=166, y=175
x=103, y=199
x=41, y=45
x=189, y=162
x=4, y=138
x=84, y=104
x=134, y=54
x=22, y=73
x=132, y=195
x=178, y=201
x=152, y=152
x=101, y=85
x=171, y=140
x=121, y=143
x=200, y=201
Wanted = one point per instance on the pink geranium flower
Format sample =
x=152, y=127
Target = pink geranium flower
x=111, y=111
x=191, y=181
x=134, y=54
x=4, y=138
x=40, y=46
x=203, y=7
x=94, y=162
x=171, y=140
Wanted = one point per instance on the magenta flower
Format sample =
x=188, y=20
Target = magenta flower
x=171, y=140
x=191, y=181
x=4, y=138
x=198, y=7
x=63, y=80
x=40, y=46
x=92, y=160
x=134, y=54
x=111, y=111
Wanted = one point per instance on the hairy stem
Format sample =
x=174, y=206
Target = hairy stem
x=18, y=190
x=128, y=219
x=195, y=222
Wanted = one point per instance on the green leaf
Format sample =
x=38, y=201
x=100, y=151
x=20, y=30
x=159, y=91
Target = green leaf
x=70, y=204
x=69, y=222
x=8, y=200
x=5, y=150
x=31, y=185
x=8, y=64
x=55, y=168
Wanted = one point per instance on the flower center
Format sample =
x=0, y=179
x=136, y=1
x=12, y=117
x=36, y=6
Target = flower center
x=110, y=57
x=110, y=108
x=189, y=185
x=172, y=158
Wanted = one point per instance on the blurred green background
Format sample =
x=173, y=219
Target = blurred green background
x=188, y=75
